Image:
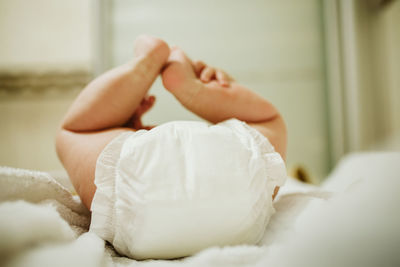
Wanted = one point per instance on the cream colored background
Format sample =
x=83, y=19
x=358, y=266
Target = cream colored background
x=274, y=47
x=363, y=66
x=385, y=78
x=45, y=33
x=39, y=36
x=27, y=133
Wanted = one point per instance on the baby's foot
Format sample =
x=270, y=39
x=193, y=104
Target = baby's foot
x=149, y=46
x=180, y=78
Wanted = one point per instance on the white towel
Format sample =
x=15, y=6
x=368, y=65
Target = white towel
x=43, y=224
x=35, y=231
x=41, y=188
x=35, y=209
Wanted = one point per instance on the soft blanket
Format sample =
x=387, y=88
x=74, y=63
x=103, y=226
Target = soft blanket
x=351, y=220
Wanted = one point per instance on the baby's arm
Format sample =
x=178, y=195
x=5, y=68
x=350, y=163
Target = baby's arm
x=215, y=101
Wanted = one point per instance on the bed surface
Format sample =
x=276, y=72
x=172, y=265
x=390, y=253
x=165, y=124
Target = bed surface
x=350, y=220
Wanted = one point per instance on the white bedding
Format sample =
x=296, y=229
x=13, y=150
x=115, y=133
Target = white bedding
x=350, y=220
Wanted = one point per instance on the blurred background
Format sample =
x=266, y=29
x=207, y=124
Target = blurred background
x=331, y=67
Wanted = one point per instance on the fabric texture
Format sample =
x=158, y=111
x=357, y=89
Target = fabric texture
x=185, y=186
x=311, y=226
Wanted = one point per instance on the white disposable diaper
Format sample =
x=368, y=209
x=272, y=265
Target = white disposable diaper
x=184, y=186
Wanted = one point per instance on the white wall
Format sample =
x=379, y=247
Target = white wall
x=45, y=33
x=28, y=127
x=40, y=36
x=367, y=61
x=274, y=47
x=386, y=75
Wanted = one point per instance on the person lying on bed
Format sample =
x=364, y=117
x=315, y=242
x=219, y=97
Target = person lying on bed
x=103, y=145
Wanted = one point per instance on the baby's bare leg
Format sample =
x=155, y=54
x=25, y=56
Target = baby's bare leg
x=211, y=100
x=112, y=98
x=215, y=102
x=107, y=103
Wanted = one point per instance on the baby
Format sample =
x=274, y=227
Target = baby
x=112, y=105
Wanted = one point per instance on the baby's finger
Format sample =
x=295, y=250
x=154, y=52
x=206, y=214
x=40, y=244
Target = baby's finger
x=222, y=77
x=207, y=74
x=146, y=104
x=198, y=66
x=150, y=99
x=149, y=103
x=149, y=127
x=136, y=122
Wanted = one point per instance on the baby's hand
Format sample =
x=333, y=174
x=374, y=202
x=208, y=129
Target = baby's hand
x=207, y=74
x=135, y=121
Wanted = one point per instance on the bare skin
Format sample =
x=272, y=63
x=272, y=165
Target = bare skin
x=115, y=101
x=214, y=96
